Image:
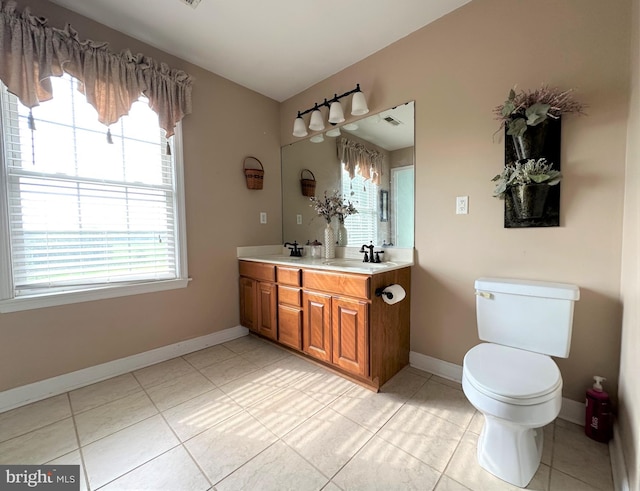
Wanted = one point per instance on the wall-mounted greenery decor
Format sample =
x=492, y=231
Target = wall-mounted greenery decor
x=529, y=183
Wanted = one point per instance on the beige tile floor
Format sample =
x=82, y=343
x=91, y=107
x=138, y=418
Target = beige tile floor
x=249, y=415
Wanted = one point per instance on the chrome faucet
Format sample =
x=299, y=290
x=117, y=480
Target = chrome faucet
x=295, y=250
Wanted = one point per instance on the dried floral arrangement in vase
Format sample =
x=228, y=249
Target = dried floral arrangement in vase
x=328, y=207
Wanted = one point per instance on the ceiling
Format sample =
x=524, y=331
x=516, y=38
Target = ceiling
x=391, y=129
x=275, y=47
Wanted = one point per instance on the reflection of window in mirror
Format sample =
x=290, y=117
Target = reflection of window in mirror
x=362, y=226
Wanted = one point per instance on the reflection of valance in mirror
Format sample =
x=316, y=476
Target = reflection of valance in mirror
x=357, y=158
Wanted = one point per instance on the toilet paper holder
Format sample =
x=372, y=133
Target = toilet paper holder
x=380, y=291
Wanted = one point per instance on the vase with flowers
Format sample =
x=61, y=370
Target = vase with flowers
x=327, y=207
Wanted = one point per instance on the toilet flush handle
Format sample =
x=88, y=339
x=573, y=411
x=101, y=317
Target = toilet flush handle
x=486, y=295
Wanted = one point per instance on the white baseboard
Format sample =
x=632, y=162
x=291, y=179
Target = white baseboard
x=618, y=464
x=19, y=396
x=571, y=410
x=441, y=368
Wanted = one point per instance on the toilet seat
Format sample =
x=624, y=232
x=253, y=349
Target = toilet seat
x=511, y=375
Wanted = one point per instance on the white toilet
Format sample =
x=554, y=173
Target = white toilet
x=511, y=378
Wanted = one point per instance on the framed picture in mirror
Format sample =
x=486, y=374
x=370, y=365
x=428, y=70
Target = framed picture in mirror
x=384, y=205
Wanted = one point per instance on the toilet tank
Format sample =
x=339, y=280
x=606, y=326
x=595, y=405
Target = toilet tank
x=526, y=314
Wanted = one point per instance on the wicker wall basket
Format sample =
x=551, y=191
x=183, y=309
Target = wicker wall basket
x=254, y=176
x=308, y=185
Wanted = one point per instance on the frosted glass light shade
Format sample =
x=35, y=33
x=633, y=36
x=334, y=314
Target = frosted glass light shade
x=359, y=104
x=317, y=138
x=299, y=128
x=333, y=132
x=316, y=123
x=336, y=114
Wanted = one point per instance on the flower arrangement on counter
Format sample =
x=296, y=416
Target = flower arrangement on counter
x=332, y=205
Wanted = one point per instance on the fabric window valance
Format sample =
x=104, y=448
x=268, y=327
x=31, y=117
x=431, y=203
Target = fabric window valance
x=31, y=52
x=358, y=158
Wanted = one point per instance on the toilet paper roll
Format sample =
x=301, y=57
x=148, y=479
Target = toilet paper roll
x=397, y=294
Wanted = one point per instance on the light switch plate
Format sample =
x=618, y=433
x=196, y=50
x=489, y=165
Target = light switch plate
x=298, y=219
x=263, y=217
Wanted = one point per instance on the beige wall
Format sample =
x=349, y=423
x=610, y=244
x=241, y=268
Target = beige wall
x=457, y=69
x=221, y=215
x=629, y=389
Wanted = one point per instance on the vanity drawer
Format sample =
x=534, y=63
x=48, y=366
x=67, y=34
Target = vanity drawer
x=289, y=296
x=338, y=283
x=289, y=276
x=258, y=271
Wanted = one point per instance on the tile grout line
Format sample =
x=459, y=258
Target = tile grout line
x=256, y=455
x=143, y=389
x=75, y=429
x=281, y=439
x=180, y=442
x=374, y=434
x=37, y=427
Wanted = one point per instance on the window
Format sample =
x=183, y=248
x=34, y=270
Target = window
x=363, y=226
x=82, y=218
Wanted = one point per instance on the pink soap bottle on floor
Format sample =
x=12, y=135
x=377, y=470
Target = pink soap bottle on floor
x=598, y=420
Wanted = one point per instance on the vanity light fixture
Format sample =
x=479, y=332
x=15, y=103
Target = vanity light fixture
x=336, y=113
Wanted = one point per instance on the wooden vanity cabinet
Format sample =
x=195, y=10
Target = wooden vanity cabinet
x=258, y=296
x=330, y=316
x=336, y=326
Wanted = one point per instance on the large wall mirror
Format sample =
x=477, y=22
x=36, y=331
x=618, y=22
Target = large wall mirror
x=385, y=208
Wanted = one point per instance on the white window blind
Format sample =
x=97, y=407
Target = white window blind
x=80, y=212
x=362, y=226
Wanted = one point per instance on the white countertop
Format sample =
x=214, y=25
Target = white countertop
x=347, y=263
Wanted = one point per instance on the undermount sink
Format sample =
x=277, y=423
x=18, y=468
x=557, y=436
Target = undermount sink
x=357, y=263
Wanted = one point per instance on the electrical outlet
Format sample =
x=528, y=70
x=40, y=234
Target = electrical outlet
x=462, y=205
x=299, y=219
x=263, y=217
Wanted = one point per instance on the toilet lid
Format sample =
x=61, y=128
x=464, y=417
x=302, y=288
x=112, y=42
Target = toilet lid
x=511, y=373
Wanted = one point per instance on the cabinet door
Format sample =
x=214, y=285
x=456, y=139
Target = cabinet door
x=350, y=335
x=316, y=337
x=248, y=290
x=290, y=326
x=267, y=305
